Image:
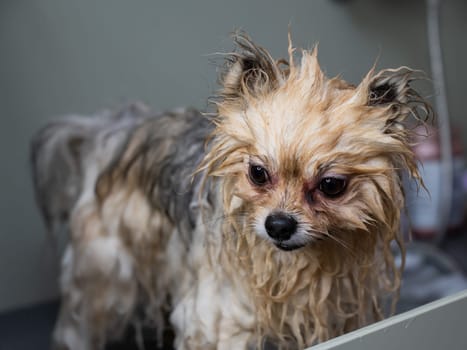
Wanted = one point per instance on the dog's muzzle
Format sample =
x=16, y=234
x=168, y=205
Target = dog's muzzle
x=281, y=227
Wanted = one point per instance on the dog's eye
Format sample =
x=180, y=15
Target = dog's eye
x=332, y=186
x=258, y=175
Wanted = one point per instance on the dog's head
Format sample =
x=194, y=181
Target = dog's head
x=308, y=158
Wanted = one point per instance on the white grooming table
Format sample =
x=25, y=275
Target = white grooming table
x=441, y=324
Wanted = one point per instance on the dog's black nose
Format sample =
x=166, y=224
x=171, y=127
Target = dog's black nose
x=280, y=226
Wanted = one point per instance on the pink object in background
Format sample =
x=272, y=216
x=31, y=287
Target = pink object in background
x=423, y=206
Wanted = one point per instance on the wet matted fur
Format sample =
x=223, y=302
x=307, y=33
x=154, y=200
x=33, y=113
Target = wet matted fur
x=168, y=213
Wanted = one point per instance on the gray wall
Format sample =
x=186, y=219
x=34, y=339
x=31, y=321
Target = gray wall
x=61, y=56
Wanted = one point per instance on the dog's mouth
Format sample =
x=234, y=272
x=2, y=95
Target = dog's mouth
x=288, y=246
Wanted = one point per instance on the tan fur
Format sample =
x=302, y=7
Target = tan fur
x=300, y=124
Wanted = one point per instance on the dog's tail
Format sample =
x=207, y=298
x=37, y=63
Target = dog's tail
x=59, y=153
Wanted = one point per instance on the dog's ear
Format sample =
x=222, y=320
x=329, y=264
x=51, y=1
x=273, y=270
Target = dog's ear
x=391, y=89
x=250, y=70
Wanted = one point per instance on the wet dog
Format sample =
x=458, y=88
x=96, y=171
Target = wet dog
x=275, y=219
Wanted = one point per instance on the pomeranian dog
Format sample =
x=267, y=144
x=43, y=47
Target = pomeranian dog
x=272, y=222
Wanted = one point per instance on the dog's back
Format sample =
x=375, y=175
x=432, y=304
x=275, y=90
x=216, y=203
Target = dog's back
x=59, y=152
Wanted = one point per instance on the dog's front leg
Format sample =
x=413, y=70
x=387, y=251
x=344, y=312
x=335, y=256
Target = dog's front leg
x=212, y=315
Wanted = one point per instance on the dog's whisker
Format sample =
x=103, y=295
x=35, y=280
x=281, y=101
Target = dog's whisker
x=341, y=242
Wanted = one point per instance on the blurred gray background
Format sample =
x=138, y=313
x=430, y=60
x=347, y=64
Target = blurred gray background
x=58, y=57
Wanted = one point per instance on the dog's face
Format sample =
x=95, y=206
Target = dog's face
x=312, y=158
x=316, y=164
